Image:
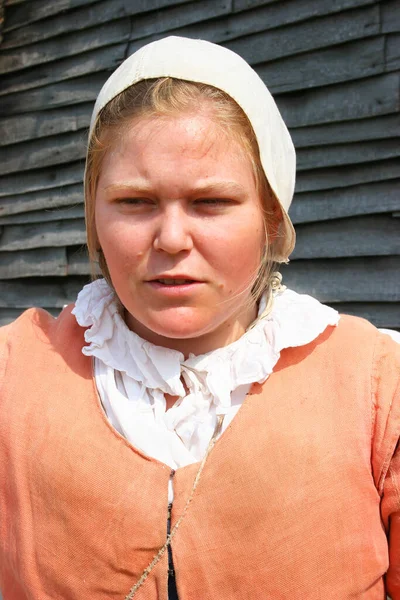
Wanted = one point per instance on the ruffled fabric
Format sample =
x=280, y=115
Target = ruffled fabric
x=133, y=375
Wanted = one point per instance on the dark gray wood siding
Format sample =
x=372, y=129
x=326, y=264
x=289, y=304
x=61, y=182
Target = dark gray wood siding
x=334, y=68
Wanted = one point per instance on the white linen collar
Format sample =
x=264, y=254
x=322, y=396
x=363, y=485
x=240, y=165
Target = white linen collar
x=295, y=320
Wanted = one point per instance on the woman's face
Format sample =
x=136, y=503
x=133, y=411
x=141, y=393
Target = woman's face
x=180, y=224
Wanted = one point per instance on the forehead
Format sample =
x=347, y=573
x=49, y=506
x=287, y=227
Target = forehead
x=188, y=136
x=175, y=151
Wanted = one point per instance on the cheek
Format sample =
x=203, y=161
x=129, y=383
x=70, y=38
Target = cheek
x=121, y=247
x=238, y=252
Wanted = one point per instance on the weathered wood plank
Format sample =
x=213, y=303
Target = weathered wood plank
x=372, y=198
x=35, y=10
x=325, y=179
x=377, y=128
x=230, y=27
x=35, y=154
x=36, y=125
x=42, y=216
x=42, y=179
x=33, y=263
x=53, y=198
x=317, y=68
x=308, y=35
x=246, y=4
x=241, y=5
x=355, y=100
x=65, y=93
x=346, y=280
x=375, y=235
x=61, y=47
x=324, y=67
x=347, y=154
x=42, y=235
x=382, y=314
x=84, y=17
x=101, y=59
x=53, y=292
x=175, y=17
x=392, y=54
x=390, y=11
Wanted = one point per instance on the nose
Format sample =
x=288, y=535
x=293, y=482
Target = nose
x=173, y=234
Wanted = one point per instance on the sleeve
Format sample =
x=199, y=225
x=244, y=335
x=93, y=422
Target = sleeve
x=386, y=449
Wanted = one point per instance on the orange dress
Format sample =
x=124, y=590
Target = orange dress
x=299, y=498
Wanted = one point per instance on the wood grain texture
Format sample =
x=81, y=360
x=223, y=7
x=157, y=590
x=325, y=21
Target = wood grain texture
x=347, y=154
x=41, y=179
x=339, y=177
x=390, y=10
x=52, y=292
x=30, y=263
x=377, y=235
x=60, y=47
x=361, y=99
x=392, y=52
x=42, y=235
x=324, y=67
x=42, y=216
x=47, y=199
x=54, y=150
x=72, y=92
x=308, y=35
x=372, y=279
x=378, y=128
x=86, y=16
x=372, y=198
x=101, y=59
x=36, y=125
x=35, y=10
x=172, y=19
x=263, y=18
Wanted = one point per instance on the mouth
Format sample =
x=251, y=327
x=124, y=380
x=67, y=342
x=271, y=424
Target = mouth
x=178, y=281
x=175, y=286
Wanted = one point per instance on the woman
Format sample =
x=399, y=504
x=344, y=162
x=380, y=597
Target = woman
x=190, y=427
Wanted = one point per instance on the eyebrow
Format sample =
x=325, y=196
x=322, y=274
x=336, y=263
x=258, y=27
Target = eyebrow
x=218, y=187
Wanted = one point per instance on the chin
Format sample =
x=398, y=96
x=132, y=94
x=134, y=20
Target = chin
x=179, y=331
x=181, y=324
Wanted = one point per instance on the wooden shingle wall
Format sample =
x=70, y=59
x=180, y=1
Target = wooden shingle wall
x=334, y=68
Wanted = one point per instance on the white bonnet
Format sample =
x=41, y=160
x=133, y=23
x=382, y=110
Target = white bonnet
x=205, y=62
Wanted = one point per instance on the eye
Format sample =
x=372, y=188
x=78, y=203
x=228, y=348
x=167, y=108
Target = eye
x=135, y=201
x=214, y=201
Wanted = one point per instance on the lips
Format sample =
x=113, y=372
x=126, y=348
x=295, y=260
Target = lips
x=168, y=281
x=174, y=279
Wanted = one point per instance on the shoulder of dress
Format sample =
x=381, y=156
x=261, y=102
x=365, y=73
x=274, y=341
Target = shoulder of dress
x=354, y=331
x=37, y=324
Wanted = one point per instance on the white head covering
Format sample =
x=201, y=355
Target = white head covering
x=204, y=62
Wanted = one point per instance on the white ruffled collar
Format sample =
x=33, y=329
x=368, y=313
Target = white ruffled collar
x=295, y=320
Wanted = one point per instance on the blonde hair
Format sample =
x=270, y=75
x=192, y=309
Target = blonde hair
x=168, y=96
